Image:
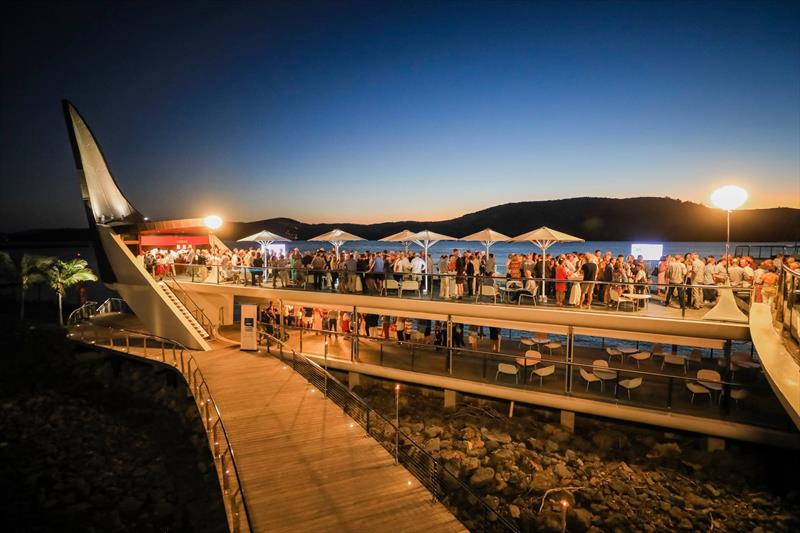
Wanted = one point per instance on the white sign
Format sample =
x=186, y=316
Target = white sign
x=249, y=316
x=649, y=251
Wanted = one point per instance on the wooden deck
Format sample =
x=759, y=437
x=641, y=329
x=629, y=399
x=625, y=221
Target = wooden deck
x=304, y=465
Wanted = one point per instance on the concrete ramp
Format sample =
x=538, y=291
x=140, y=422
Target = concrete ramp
x=781, y=369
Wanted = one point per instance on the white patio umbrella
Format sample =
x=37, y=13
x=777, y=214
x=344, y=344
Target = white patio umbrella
x=403, y=236
x=487, y=237
x=426, y=239
x=264, y=238
x=337, y=237
x=544, y=238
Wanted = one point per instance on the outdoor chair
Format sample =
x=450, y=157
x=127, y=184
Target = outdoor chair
x=508, y=370
x=696, y=388
x=710, y=379
x=589, y=378
x=531, y=296
x=490, y=291
x=696, y=356
x=739, y=394
x=615, y=296
x=555, y=345
x=640, y=356
x=674, y=359
x=613, y=352
x=525, y=342
x=410, y=285
x=533, y=354
x=390, y=284
x=544, y=372
x=657, y=350
x=629, y=385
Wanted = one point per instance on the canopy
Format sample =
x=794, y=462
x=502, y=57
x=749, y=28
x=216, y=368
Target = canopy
x=337, y=237
x=544, y=238
x=403, y=236
x=264, y=238
x=426, y=239
x=487, y=237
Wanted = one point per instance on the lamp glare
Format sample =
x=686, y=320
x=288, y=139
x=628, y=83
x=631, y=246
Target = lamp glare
x=212, y=221
x=729, y=197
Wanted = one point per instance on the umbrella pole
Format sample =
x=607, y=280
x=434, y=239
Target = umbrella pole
x=427, y=243
x=544, y=254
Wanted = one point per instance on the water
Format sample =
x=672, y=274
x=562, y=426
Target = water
x=503, y=249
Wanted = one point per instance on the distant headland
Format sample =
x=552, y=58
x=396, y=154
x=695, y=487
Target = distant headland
x=594, y=219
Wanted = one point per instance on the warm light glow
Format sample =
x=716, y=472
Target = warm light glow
x=397, y=387
x=729, y=197
x=212, y=221
x=564, y=503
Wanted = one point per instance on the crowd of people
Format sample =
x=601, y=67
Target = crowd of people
x=576, y=279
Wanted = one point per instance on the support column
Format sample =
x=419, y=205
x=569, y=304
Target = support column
x=569, y=350
x=449, y=344
x=353, y=380
x=354, y=336
x=450, y=399
x=568, y=420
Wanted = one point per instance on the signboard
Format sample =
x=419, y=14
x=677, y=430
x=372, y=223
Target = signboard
x=171, y=241
x=650, y=252
x=249, y=332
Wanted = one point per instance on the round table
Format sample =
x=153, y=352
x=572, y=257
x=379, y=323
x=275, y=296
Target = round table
x=638, y=298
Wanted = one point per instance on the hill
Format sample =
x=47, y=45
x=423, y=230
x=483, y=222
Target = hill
x=596, y=219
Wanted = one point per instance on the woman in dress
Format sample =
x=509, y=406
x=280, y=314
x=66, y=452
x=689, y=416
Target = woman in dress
x=662, y=275
x=561, y=285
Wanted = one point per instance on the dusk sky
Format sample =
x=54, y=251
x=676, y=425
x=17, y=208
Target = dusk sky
x=376, y=111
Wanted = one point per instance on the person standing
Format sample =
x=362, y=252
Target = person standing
x=589, y=271
x=676, y=273
x=698, y=277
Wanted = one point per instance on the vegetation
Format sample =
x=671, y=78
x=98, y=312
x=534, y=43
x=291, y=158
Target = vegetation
x=35, y=269
x=64, y=274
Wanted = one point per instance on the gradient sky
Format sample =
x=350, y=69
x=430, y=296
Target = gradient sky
x=375, y=111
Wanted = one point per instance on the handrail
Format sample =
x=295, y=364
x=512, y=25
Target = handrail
x=189, y=374
x=86, y=310
x=544, y=357
x=433, y=485
x=203, y=318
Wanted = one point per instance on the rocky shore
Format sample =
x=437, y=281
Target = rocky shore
x=613, y=477
x=95, y=443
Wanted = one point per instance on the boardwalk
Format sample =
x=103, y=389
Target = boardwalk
x=303, y=464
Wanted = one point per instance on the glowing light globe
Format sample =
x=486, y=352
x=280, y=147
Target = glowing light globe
x=729, y=197
x=212, y=221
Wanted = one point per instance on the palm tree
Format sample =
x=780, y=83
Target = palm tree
x=8, y=271
x=33, y=269
x=64, y=274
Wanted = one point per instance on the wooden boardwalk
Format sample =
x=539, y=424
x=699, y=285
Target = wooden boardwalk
x=303, y=464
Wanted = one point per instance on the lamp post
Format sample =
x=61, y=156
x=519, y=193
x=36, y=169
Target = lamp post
x=729, y=197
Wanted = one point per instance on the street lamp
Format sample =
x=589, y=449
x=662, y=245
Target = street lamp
x=729, y=197
x=212, y=222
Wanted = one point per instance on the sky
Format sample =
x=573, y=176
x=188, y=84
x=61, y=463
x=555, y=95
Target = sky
x=379, y=111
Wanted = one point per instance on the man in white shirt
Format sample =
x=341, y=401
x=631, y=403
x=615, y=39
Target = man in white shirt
x=735, y=272
x=698, y=277
x=676, y=273
x=417, y=268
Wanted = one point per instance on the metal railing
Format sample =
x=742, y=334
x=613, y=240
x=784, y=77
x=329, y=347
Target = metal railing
x=659, y=390
x=445, y=486
x=176, y=355
x=84, y=312
x=785, y=301
x=619, y=296
x=112, y=305
x=188, y=302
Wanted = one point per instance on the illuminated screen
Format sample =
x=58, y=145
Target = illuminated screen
x=279, y=249
x=648, y=251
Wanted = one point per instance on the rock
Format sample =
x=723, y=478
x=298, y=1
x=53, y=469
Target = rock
x=676, y=513
x=129, y=506
x=432, y=431
x=686, y=524
x=698, y=502
x=492, y=501
x=562, y=471
x=606, y=440
x=433, y=445
x=482, y=477
x=501, y=437
x=503, y=456
x=667, y=449
x=711, y=490
x=470, y=464
x=579, y=520
x=543, y=480
x=513, y=511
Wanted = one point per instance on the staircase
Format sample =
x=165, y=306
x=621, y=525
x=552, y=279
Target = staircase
x=183, y=309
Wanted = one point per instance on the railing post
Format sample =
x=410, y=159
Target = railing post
x=570, y=358
x=301, y=338
x=127, y=343
x=163, y=354
x=449, y=344
x=669, y=393
x=144, y=339
x=354, y=337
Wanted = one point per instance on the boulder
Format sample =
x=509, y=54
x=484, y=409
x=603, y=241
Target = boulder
x=432, y=431
x=482, y=477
